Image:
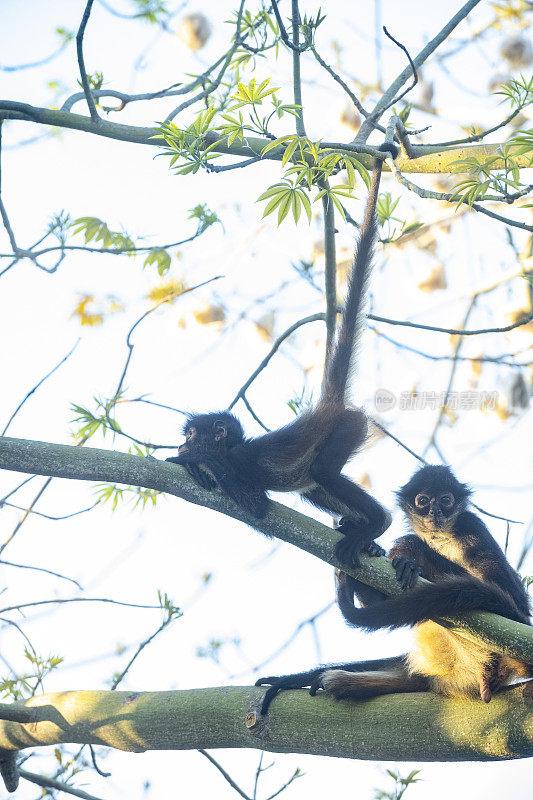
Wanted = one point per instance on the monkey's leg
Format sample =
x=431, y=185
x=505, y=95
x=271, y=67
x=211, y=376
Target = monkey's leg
x=370, y=520
x=311, y=678
x=344, y=496
x=339, y=495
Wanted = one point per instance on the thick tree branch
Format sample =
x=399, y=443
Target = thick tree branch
x=66, y=461
x=419, y=727
x=427, y=159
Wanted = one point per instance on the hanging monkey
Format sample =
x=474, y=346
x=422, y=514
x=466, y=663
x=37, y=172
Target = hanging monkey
x=307, y=455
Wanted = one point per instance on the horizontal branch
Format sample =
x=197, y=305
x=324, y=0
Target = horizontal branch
x=84, y=463
x=406, y=727
x=428, y=158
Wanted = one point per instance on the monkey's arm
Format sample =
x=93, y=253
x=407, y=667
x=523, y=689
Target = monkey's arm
x=432, y=565
x=247, y=496
x=488, y=560
x=312, y=678
x=201, y=477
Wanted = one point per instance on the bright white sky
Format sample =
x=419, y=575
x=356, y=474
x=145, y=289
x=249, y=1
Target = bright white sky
x=259, y=592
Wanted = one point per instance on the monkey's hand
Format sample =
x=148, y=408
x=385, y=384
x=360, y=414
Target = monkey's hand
x=201, y=477
x=373, y=549
x=407, y=572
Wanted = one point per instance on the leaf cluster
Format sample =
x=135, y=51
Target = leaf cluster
x=400, y=785
x=309, y=165
x=23, y=686
x=114, y=494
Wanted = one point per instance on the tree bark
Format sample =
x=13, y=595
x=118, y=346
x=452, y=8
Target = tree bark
x=407, y=727
x=86, y=463
x=429, y=159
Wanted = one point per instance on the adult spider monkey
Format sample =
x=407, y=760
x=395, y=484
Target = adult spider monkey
x=307, y=455
x=453, y=548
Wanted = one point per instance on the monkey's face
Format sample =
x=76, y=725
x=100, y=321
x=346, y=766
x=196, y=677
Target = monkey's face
x=433, y=498
x=434, y=509
x=211, y=433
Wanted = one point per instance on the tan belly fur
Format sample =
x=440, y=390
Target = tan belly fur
x=455, y=664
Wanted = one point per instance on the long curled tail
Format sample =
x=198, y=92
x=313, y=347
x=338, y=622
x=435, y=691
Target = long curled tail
x=338, y=370
x=447, y=598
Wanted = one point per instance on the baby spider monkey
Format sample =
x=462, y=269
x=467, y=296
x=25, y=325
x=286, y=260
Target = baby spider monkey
x=451, y=547
x=307, y=455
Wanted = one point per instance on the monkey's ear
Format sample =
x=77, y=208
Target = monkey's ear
x=220, y=430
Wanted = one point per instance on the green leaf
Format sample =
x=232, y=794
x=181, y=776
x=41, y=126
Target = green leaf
x=274, y=203
x=277, y=142
x=289, y=151
x=307, y=204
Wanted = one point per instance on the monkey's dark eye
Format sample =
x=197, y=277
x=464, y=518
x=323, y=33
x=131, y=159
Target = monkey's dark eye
x=421, y=501
x=447, y=500
x=190, y=432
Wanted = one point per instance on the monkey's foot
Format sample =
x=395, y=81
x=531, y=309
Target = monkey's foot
x=495, y=673
x=373, y=549
x=484, y=689
x=298, y=680
x=347, y=551
x=407, y=572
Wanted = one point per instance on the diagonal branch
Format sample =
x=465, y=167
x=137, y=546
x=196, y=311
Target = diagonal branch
x=383, y=103
x=65, y=461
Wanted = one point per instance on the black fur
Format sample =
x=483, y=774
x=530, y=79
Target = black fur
x=311, y=679
x=307, y=455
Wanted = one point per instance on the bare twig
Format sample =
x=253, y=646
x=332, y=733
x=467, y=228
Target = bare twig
x=42, y=569
x=294, y=635
x=225, y=774
x=216, y=83
x=357, y=103
x=273, y=350
x=443, y=408
x=95, y=763
x=296, y=76
x=498, y=360
x=63, y=601
x=411, y=64
x=451, y=198
x=13, y=491
x=37, y=385
x=330, y=272
x=253, y=414
x=81, y=64
x=477, y=137
x=51, y=783
x=451, y=331
x=27, y=511
x=9, y=229
x=168, y=619
x=421, y=58
x=171, y=296
x=49, y=516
